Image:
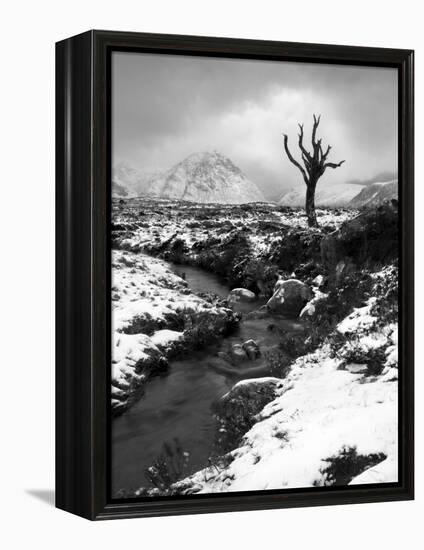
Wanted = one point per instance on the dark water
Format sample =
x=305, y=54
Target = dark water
x=178, y=405
x=199, y=280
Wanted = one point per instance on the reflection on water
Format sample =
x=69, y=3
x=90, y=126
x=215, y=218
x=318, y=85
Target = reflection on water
x=178, y=404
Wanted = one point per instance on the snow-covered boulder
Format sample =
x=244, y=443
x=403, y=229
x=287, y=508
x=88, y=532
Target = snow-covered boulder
x=309, y=310
x=241, y=295
x=289, y=297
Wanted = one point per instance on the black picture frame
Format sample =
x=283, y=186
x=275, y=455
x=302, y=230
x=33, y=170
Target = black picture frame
x=83, y=273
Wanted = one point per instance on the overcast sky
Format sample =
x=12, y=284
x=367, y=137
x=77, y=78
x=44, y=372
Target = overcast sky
x=165, y=107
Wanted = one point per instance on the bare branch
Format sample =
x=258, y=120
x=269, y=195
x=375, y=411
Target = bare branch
x=325, y=155
x=333, y=164
x=292, y=159
x=305, y=152
x=314, y=129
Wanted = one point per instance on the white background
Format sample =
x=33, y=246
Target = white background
x=29, y=30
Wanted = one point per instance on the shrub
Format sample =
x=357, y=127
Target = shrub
x=203, y=328
x=257, y=275
x=370, y=238
x=374, y=358
x=279, y=361
x=224, y=257
x=297, y=247
x=169, y=467
x=177, y=251
x=296, y=345
x=346, y=465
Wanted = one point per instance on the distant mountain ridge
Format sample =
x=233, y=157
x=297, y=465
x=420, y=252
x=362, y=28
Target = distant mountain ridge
x=333, y=196
x=210, y=177
x=207, y=177
x=375, y=194
x=344, y=195
x=129, y=182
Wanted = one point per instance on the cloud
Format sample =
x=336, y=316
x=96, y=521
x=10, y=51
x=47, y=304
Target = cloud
x=166, y=107
x=381, y=176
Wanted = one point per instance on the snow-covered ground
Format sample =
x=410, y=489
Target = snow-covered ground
x=328, y=410
x=263, y=224
x=333, y=418
x=152, y=311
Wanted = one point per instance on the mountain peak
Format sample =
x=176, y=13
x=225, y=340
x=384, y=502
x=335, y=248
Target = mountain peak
x=205, y=177
x=209, y=157
x=209, y=177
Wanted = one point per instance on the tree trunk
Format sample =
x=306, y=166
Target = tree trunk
x=310, y=205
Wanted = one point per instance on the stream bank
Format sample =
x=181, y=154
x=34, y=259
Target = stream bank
x=179, y=403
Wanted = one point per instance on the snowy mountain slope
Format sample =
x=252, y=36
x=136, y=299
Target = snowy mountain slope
x=334, y=195
x=129, y=182
x=206, y=177
x=376, y=193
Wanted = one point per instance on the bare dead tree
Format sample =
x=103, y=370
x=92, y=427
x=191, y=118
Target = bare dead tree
x=315, y=164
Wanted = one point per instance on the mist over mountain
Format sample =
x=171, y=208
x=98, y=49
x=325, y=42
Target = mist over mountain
x=333, y=195
x=371, y=192
x=129, y=182
x=385, y=176
x=210, y=177
x=375, y=194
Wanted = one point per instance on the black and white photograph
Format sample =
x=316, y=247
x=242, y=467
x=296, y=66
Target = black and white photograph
x=212, y=231
x=254, y=283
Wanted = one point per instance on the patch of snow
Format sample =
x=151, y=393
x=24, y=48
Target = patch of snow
x=145, y=294
x=360, y=318
x=386, y=470
x=129, y=350
x=165, y=337
x=310, y=307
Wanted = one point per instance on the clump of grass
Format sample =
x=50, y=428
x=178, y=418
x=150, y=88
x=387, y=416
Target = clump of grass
x=257, y=275
x=296, y=345
x=217, y=463
x=346, y=465
x=299, y=247
x=202, y=328
x=278, y=361
x=374, y=358
x=169, y=467
x=177, y=251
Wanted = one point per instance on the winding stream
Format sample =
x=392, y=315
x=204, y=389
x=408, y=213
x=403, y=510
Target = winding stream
x=178, y=405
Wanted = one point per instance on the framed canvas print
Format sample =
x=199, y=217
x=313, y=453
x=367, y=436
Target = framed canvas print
x=234, y=274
